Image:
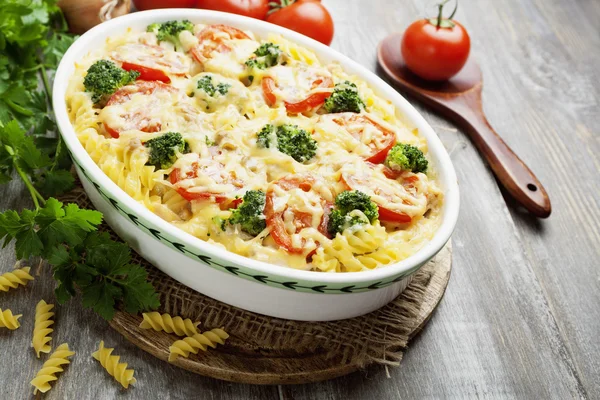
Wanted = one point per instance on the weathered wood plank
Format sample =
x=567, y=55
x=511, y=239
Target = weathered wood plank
x=520, y=317
x=555, y=79
x=497, y=333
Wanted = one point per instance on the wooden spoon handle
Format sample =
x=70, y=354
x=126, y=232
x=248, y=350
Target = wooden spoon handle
x=514, y=175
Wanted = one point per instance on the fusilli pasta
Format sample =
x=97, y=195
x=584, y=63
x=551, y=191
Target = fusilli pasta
x=222, y=104
x=164, y=322
x=14, y=278
x=51, y=367
x=112, y=365
x=343, y=252
x=8, y=320
x=199, y=341
x=41, y=330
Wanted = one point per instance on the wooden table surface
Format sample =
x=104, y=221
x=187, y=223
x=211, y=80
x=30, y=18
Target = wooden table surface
x=521, y=316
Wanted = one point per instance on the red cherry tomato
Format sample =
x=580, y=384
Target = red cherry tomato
x=433, y=52
x=141, y=116
x=301, y=220
x=142, y=5
x=250, y=8
x=146, y=73
x=308, y=17
x=298, y=107
x=212, y=37
x=379, y=145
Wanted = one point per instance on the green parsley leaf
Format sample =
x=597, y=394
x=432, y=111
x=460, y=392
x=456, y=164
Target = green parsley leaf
x=55, y=183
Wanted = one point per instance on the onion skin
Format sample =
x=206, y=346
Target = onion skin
x=82, y=15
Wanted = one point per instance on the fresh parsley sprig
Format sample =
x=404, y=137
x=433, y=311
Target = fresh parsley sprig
x=33, y=39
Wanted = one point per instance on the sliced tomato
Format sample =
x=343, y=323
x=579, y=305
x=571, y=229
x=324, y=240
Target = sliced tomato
x=366, y=186
x=142, y=116
x=268, y=86
x=235, y=203
x=213, y=170
x=355, y=125
x=212, y=38
x=152, y=60
x=312, y=101
x=393, y=216
x=301, y=219
x=147, y=73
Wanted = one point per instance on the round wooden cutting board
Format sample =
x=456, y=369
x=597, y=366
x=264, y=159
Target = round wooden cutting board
x=241, y=360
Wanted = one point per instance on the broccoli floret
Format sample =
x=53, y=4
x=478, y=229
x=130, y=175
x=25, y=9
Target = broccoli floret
x=265, y=136
x=206, y=83
x=104, y=78
x=170, y=30
x=249, y=215
x=164, y=149
x=345, y=98
x=220, y=222
x=267, y=55
x=405, y=157
x=291, y=140
x=346, y=213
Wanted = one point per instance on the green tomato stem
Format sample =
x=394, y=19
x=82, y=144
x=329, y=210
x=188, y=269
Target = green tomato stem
x=440, y=13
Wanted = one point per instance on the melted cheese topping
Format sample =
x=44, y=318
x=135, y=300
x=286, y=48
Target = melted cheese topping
x=224, y=161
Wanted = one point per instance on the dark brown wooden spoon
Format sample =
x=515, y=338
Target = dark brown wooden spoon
x=459, y=99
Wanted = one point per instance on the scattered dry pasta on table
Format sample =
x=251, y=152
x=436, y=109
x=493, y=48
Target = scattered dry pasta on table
x=112, y=365
x=164, y=322
x=8, y=320
x=199, y=341
x=41, y=330
x=11, y=280
x=51, y=367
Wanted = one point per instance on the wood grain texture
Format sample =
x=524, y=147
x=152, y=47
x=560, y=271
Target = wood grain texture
x=459, y=100
x=521, y=316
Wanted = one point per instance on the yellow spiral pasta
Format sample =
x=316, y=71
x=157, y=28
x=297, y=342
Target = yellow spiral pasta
x=164, y=322
x=224, y=156
x=41, y=330
x=381, y=256
x=8, y=320
x=345, y=252
x=297, y=52
x=51, y=367
x=11, y=280
x=200, y=341
x=112, y=365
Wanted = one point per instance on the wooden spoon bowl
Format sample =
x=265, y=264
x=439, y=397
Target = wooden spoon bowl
x=459, y=99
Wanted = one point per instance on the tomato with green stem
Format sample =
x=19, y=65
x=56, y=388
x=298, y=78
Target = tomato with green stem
x=436, y=49
x=308, y=17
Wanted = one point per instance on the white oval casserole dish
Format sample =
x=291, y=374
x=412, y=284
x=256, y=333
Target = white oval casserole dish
x=249, y=284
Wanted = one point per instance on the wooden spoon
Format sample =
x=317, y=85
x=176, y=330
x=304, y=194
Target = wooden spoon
x=459, y=99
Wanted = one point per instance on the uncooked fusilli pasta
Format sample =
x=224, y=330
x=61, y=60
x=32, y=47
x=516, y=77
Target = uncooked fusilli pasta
x=199, y=341
x=164, y=322
x=41, y=330
x=112, y=365
x=8, y=320
x=11, y=280
x=51, y=367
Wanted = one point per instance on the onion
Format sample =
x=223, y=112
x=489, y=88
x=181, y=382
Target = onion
x=82, y=15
